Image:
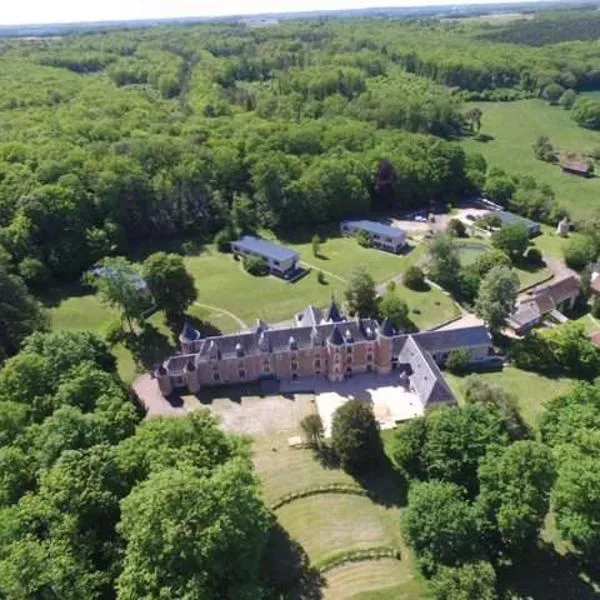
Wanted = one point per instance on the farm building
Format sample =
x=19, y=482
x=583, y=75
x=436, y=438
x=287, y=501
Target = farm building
x=577, y=168
x=509, y=218
x=382, y=236
x=281, y=261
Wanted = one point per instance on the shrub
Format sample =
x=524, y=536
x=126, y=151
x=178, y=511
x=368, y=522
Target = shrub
x=321, y=278
x=223, y=240
x=113, y=332
x=456, y=228
x=364, y=239
x=391, y=286
x=414, y=278
x=458, y=361
x=580, y=252
x=534, y=256
x=596, y=307
x=255, y=266
x=312, y=427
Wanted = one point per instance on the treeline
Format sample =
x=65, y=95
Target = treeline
x=95, y=503
x=549, y=29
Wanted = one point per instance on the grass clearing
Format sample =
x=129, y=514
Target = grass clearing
x=532, y=390
x=515, y=126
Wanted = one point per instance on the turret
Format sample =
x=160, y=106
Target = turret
x=384, y=345
x=190, y=374
x=335, y=343
x=189, y=338
x=164, y=380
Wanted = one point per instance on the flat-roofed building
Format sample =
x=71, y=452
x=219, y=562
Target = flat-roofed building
x=280, y=260
x=382, y=236
x=509, y=218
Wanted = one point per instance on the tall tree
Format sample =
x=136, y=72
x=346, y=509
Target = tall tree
x=444, y=265
x=20, y=314
x=497, y=297
x=361, y=293
x=513, y=240
x=355, y=437
x=121, y=286
x=471, y=581
x=172, y=287
x=394, y=308
x=184, y=531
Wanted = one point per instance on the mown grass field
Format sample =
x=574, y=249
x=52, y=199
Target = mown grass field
x=515, y=126
x=530, y=389
x=226, y=291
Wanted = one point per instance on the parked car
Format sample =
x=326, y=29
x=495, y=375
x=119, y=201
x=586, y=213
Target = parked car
x=420, y=218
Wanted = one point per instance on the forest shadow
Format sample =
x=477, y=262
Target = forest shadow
x=544, y=574
x=305, y=236
x=326, y=456
x=149, y=347
x=177, y=245
x=286, y=570
x=52, y=297
x=385, y=485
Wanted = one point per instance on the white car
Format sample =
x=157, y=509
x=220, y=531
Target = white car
x=420, y=218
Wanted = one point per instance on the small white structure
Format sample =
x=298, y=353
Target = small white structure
x=382, y=236
x=563, y=227
x=281, y=261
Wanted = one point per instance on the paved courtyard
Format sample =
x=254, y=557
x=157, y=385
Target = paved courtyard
x=390, y=401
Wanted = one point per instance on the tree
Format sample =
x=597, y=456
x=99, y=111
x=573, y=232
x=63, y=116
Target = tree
x=553, y=92
x=470, y=581
x=567, y=100
x=489, y=259
x=172, y=287
x=355, y=437
x=586, y=113
x=497, y=297
x=363, y=239
x=456, y=228
x=243, y=216
x=580, y=252
x=223, y=239
x=255, y=266
x=440, y=525
x=473, y=116
x=118, y=284
x=312, y=426
x=573, y=351
x=513, y=240
x=361, y=294
x=316, y=245
x=457, y=439
x=17, y=474
x=395, y=309
x=445, y=262
x=20, y=314
x=414, y=278
x=458, y=361
x=408, y=447
x=514, y=498
x=201, y=524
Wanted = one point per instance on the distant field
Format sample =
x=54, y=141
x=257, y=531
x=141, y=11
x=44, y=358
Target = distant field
x=515, y=127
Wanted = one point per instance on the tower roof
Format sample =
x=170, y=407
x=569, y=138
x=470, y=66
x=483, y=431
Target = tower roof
x=335, y=337
x=188, y=332
x=333, y=312
x=387, y=328
x=190, y=366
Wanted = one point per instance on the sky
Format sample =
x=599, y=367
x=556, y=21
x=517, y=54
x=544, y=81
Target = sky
x=17, y=12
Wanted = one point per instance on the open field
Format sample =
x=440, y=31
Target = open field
x=515, y=127
x=531, y=389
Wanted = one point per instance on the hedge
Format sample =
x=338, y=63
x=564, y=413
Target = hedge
x=332, y=488
x=343, y=558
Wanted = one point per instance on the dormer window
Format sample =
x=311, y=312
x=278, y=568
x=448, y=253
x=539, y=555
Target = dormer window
x=239, y=350
x=293, y=343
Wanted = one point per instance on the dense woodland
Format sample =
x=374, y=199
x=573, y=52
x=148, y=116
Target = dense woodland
x=107, y=139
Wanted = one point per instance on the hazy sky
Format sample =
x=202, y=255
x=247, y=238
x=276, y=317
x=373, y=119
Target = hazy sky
x=61, y=11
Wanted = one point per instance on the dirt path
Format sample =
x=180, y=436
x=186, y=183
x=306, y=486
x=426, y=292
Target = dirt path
x=239, y=321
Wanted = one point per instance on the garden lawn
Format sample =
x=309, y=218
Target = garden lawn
x=531, y=390
x=516, y=126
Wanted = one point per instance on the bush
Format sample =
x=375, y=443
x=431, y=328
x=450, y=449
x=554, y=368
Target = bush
x=414, y=278
x=458, y=361
x=223, y=240
x=364, y=239
x=596, y=307
x=580, y=252
x=534, y=256
x=255, y=266
x=113, y=332
x=321, y=278
x=456, y=228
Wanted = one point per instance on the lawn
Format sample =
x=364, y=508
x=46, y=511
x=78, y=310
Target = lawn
x=325, y=525
x=515, y=126
x=528, y=277
x=531, y=389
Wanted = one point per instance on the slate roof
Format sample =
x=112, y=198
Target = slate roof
x=452, y=339
x=509, y=218
x=527, y=313
x=387, y=328
x=266, y=248
x=333, y=313
x=176, y=363
x=335, y=337
x=188, y=332
x=377, y=228
x=311, y=315
x=547, y=296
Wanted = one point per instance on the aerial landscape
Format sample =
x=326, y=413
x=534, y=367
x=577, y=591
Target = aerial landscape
x=301, y=306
